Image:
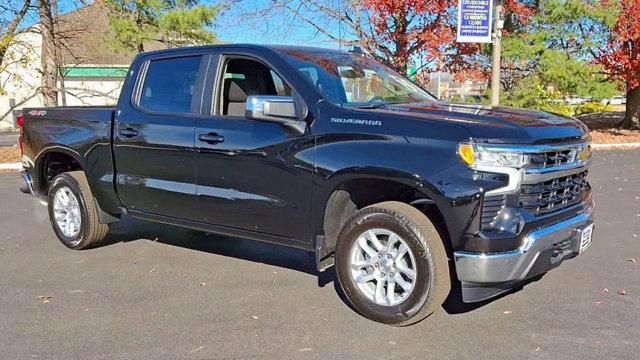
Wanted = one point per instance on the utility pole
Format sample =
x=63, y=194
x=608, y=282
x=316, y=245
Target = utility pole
x=495, y=56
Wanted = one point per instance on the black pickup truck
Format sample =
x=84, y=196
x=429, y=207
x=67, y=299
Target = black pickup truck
x=326, y=151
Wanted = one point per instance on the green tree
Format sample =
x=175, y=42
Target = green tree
x=551, y=55
x=135, y=23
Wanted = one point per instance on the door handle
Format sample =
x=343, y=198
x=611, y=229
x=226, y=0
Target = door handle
x=211, y=138
x=128, y=133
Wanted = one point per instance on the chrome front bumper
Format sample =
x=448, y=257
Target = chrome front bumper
x=542, y=249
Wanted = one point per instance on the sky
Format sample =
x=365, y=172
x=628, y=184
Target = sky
x=236, y=25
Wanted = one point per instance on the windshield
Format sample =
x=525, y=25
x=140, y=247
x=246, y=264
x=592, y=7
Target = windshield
x=355, y=80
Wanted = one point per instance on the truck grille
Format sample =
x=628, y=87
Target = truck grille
x=552, y=158
x=554, y=194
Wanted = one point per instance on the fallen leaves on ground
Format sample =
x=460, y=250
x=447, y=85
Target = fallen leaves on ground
x=615, y=136
x=44, y=298
x=9, y=155
x=604, y=128
x=198, y=349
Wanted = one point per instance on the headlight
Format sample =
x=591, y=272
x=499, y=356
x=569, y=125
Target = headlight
x=478, y=157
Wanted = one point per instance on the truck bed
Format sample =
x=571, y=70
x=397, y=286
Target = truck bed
x=79, y=132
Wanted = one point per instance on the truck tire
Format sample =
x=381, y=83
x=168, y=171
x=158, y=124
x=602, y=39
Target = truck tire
x=73, y=212
x=391, y=264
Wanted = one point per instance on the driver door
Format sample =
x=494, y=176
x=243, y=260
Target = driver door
x=251, y=175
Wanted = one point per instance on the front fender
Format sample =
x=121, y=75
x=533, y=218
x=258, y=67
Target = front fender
x=340, y=158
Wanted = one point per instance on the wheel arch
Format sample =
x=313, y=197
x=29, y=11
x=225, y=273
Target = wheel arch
x=349, y=191
x=55, y=160
x=52, y=161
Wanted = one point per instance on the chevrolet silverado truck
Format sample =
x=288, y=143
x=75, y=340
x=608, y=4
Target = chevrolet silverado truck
x=326, y=151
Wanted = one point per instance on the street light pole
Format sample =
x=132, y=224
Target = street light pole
x=495, y=56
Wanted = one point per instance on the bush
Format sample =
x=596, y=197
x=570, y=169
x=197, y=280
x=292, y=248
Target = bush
x=554, y=107
x=593, y=107
x=533, y=95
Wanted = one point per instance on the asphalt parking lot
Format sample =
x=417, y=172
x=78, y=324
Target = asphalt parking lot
x=159, y=292
x=8, y=139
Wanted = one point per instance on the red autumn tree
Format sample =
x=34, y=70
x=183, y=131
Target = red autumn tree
x=425, y=30
x=419, y=29
x=394, y=32
x=621, y=57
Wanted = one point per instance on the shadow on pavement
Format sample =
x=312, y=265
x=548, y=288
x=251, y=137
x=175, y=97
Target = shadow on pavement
x=271, y=254
x=454, y=304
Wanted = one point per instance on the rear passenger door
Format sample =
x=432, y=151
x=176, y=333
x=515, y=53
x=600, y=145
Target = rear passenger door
x=154, y=136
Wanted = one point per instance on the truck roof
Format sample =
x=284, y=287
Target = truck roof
x=277, y=48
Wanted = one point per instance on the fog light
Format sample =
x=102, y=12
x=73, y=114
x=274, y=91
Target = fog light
x=509, y=219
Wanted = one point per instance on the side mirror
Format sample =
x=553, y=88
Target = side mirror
x=281, y=109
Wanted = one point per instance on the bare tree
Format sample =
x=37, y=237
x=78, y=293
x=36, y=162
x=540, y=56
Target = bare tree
x=9, y=27
x=394, y=33
x=344, y=22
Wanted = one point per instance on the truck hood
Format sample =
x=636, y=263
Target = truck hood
x=496, y=124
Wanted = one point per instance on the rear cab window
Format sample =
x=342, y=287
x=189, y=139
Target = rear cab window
x=169, y=85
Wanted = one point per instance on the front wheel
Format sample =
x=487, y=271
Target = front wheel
x=73, y=212
x=391, y=264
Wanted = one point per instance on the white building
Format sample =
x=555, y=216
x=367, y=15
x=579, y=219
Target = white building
x=92, y=74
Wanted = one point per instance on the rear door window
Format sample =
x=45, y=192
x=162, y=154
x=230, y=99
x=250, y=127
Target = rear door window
x=169, y=85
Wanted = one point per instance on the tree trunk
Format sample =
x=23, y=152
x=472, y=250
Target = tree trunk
x=58, y=57
x=48, y=55
x=401, y=42
x=632, y=115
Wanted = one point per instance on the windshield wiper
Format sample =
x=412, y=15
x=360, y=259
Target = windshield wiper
x=373, y=105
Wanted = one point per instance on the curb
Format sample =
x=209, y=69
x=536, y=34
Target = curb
x=616, y=146
x=11, y=166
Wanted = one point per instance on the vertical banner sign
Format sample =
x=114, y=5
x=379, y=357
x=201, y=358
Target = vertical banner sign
x=475, y=21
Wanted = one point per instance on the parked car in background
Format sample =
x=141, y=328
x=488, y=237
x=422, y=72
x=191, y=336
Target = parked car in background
x=616, y=100
x=574, y=100
x=326, y=151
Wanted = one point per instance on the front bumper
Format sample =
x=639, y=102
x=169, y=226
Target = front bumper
x=542, y=250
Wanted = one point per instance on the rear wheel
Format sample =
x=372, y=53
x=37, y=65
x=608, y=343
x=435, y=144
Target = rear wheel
x=392, y=265
x=73, y=212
